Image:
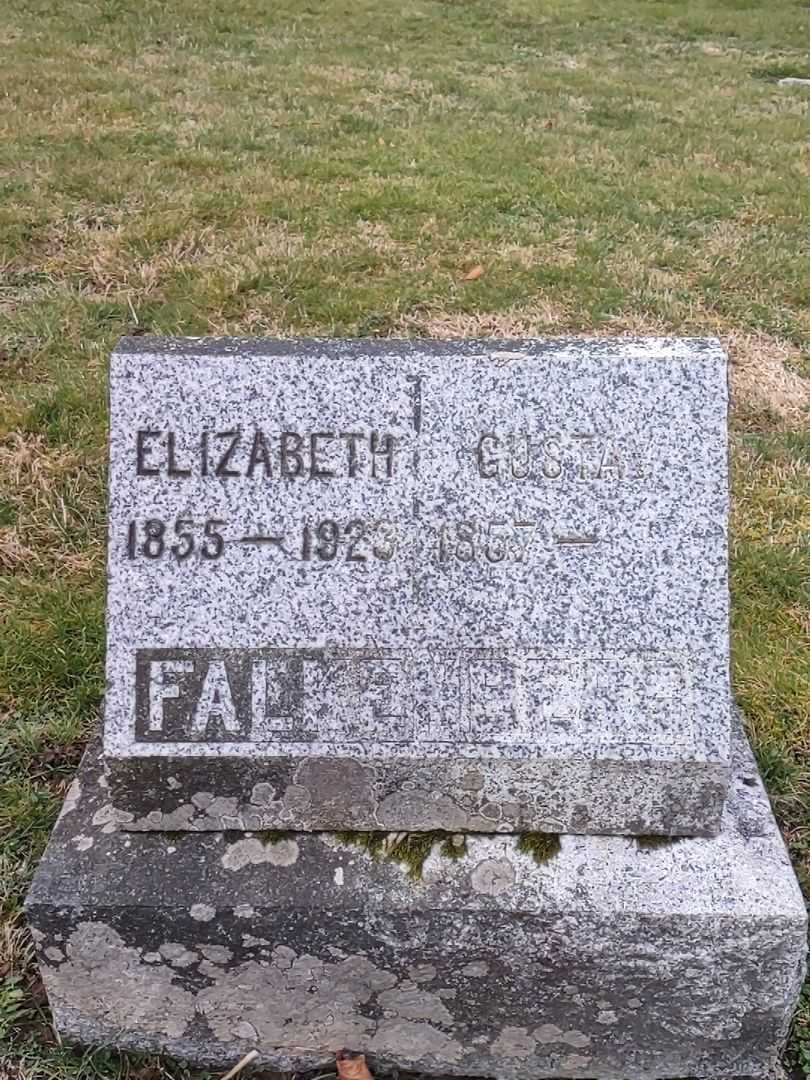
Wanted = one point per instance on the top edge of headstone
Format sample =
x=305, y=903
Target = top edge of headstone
x=499, y=348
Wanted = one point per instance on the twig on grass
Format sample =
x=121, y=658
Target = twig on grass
x=246, y=1060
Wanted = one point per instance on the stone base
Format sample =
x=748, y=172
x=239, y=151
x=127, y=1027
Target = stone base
x=611, y=959
x=666, y=797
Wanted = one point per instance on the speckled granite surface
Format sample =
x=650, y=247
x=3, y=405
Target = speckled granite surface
x=471, y=585
x=609, y=960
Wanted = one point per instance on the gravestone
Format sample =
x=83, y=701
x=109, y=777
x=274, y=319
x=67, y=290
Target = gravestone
x=386, y=585
x=474, y=587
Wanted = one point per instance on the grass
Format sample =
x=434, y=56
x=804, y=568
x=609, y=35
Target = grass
x=185, y=166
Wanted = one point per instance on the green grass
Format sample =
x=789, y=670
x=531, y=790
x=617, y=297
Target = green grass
x=186, y=166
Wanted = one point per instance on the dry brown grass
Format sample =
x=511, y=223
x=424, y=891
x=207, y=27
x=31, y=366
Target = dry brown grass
x=760, y=380
x=377, y=236
x=47, y=489
x=544, y=317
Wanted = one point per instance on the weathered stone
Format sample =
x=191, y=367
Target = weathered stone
x=609, y=959
x=406, y=585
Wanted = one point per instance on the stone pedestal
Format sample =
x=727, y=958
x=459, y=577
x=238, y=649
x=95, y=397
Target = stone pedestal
x=610, y=959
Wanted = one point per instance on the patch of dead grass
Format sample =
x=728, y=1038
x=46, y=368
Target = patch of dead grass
x=376, y=235
x=16, y=948
x=404, y=81
x=565, y=61
x=12, y=298
x=257, y=321
x=760, y=380
x=544, y=317
x=718, y=48
x=771, y=505
x=630, y=324
x=27, y=464
x=340, y=74
x=102, y=258
x=43, y=484
x=14, y=554
x=728, y=238
x=525, y=255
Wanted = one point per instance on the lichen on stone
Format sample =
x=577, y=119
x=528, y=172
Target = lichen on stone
x=493, y=876
x=251, y=851
x=108, y=981
x=540, y=845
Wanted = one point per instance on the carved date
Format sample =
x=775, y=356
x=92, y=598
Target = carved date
x=155, y=538
x=354, y=542
x=491, y=541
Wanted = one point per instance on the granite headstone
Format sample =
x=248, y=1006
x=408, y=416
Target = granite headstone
x=413, y=585
x=477, y=587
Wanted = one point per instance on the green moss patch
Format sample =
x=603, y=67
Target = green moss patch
x=654, y=841
x=541, y=846
x=409, y=849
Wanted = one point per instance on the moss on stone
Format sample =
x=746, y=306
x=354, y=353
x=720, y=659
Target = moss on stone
x=655, y=841
x=271, y=836
x=371, y=842
x=540, y=845
x=409, y=849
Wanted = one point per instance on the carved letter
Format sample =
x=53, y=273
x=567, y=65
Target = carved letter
x=174, y=470
x=160, y=688
x=292, y=464
x=521, y=442
x=488, y=468
x=316, y=473
x=352, y=438
x=385, y=450
x=222, y=468
x=141, y=452
x=215, y=700
x=259, y=455
x=610, y=465
x=552, y=465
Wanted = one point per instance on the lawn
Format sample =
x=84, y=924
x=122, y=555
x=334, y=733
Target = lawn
x=293, y=167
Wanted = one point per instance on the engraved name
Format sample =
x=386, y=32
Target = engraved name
x=382, y=696
x=582, y=456
x=285, y=455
